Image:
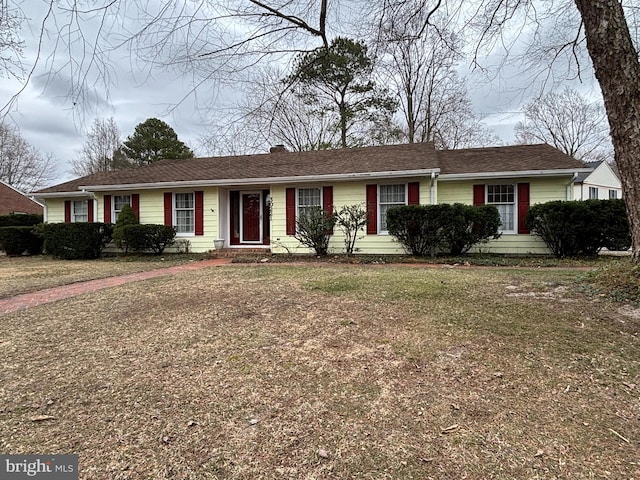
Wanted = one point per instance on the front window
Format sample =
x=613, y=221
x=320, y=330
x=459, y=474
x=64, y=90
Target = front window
x=308, y=199
x=120, y=201
x=184, y=212
x=593, y=193
x=80, y=211
x=503, y=197
x=390, y=196
x=613, y=194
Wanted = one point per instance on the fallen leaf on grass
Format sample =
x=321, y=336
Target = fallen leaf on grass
x=42, y=418
x=449, y=429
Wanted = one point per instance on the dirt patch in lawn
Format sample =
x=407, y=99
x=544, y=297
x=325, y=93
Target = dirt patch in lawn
x=339, y=372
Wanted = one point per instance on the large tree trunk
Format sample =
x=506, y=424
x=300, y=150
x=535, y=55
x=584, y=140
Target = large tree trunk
x=615, y=61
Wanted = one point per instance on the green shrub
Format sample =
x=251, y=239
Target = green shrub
x=16, y=241
x=468, y=225
x=572, y=229
x=615, y=224
x=74, y=241
x=313, y=229
x=419, y=228
x=142, y=238
x=126, y=217
x=431, y=229
x=20, y=220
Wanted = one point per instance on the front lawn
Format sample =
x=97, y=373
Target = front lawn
x=27, y=274
x=329, y=371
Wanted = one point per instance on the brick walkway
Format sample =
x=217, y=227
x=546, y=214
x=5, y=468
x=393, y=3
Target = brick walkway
x=32, y=299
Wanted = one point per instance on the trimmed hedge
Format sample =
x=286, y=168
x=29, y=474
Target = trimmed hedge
x=418, y=228
x=431, y=229
x=142, y=238
x=573, y=229
x=16, y=241
x=469, y=225
x=20, y=220
x=75, y=241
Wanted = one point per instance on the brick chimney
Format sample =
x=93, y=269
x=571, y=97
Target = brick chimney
x=278, y=149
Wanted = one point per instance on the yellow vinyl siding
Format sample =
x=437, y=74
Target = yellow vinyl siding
x=152, y=212
x=540, y=191
x=216, y=213
x=346, y=193
x=55, y=210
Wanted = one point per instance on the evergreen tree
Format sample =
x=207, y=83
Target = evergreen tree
x=154, y=140
x=338, y=80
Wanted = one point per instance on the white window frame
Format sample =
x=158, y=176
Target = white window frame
x=114, y=212
x=513, y=204
x=175, y=210
x=381, y=230
x=592, y=191
x=299, y=206
x=75, y=214
x=613, y=194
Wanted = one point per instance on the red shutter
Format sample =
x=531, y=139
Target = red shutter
x=67, y=211
x=291, y=211
x=199, y=220
x=107, y=209
x=414, y=193
x=372, y=209
x=327, y=202
x=90, y=210
x=168, y=208
x=523, y=207
x=478, y=194
x=135, y=205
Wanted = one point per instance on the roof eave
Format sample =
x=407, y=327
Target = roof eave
x=72, y=194
x=341, y=177
x=512, y=174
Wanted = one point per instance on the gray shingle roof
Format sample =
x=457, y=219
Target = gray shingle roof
x=514, y=158
x=363, y=160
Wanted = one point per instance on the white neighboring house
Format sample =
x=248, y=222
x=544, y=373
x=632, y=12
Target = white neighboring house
x=600, y=184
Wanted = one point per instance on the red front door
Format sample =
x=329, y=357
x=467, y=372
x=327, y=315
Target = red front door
x=251, y=205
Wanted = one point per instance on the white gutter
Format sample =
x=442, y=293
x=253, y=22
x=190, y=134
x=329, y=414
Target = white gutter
x=524, y=173
x=73, y=194
x=342, y=177
x=570, y=186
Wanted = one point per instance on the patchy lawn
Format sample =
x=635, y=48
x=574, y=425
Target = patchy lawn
x=301, y=372
x=27, y=274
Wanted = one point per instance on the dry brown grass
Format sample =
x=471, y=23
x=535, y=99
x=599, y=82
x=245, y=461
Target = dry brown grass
x=26, y=274
x=261, y=372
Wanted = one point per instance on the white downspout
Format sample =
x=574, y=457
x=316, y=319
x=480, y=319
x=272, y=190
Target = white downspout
x=570, y=186
x=432, y=189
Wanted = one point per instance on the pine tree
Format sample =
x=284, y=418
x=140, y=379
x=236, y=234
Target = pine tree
x=154, y=140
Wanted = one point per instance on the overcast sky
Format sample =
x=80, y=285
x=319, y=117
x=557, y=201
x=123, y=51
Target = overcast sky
x=49, y=120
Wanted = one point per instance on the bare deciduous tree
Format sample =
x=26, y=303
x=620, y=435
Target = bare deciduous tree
x=275, y=117
x=10, y=44
x=102, y=149
x=433, y=98
x=569, y=122
x=21, y=165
